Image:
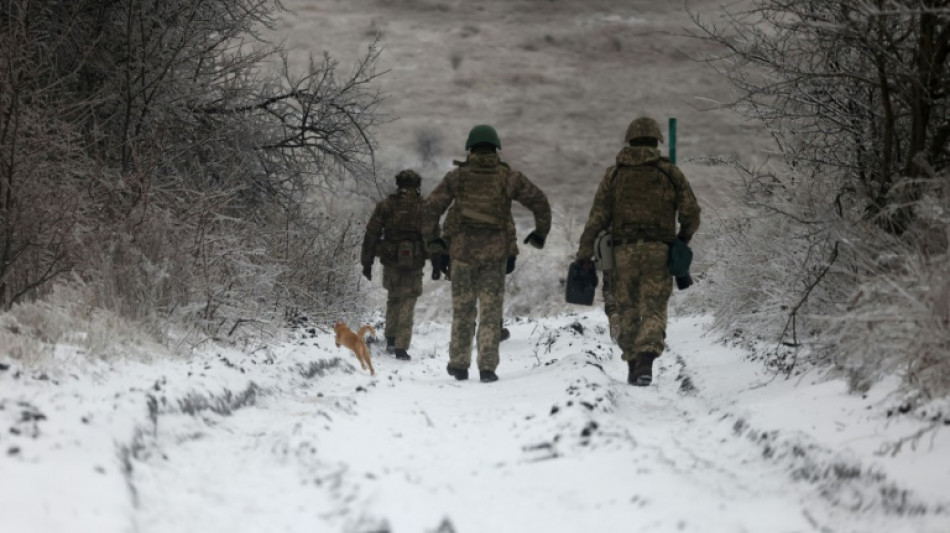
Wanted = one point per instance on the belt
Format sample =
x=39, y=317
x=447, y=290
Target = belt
x=621, y=242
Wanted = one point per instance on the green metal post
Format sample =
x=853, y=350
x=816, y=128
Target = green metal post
x=672, y=140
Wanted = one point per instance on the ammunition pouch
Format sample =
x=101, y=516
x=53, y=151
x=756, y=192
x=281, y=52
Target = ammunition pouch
x=403, y=254
x=406, y=252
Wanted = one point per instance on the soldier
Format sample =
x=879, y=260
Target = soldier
x=482, y=189
x=639, y=201
x=394, y=234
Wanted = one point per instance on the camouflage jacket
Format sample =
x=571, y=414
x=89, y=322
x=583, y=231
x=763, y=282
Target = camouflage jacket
x=683, y=204
x=396, y=219
x=481, y=245
x=450, y=226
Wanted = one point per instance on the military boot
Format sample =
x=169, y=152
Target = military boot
x=641, y=374
x=461, y=374
x=402, y=355
x=390, y=344
x=504, y=333
x=487, y=376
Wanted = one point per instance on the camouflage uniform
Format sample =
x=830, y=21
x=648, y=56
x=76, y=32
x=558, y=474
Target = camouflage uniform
x=639, y=201
x=482, y=189
x=451, y=226
x=394, y=229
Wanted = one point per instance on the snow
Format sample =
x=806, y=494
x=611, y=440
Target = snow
x=295, y=437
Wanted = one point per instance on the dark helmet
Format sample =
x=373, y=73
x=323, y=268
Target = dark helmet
x=482, y=133
x=408, y=178
x=643, y=127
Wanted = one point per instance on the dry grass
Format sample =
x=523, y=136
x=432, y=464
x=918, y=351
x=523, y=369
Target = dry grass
x=30, y=332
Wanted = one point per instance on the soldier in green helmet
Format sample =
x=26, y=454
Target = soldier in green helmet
x=640, y=200
x=394, y=234
x=481, y=190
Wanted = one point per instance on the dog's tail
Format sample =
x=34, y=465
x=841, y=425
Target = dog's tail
x=362, y=332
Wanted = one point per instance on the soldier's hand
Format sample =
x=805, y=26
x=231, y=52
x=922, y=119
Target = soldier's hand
x=684, y=282
x=368, y=271
x=584, y=265
x=685, y=238
x=510, y=265
x=445, y=265
x=436, y=246
x=534, y=240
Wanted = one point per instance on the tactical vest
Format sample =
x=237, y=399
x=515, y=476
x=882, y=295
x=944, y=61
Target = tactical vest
x=644, y=203
x=402, y=235
x=482, y=197
x=405, y=218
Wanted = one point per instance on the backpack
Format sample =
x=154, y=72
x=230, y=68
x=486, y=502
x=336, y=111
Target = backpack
x=644, y=203
x=403, y=235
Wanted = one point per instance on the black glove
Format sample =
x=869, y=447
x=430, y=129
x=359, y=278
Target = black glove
x=585, y=265
x=581, y=283
x=534, y=240
x=445, y=264
x=436, y=260
x=684, y=237
x=684, y=282
x=437, y=246
x=368, y=271
x=510, y=265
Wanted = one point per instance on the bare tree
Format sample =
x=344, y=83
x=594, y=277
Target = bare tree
x=169, y=163
x=855, y=95
x=41, y=153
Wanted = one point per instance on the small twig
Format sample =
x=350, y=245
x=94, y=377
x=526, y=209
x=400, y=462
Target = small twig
x=240, y=321
x=894, y=448
x=792, y=319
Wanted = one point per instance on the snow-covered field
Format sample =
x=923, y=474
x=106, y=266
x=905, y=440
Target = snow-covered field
x=294, y=437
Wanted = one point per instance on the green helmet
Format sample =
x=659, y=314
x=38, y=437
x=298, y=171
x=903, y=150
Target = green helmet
x=482, y=133
x=643, y=127
x=408, y=178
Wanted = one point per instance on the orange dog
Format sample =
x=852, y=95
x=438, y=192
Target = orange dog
x=355, y=342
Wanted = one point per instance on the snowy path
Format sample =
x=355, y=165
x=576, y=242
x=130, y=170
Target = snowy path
x=558, y=444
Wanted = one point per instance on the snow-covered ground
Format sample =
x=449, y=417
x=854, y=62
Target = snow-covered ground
x=294, y=437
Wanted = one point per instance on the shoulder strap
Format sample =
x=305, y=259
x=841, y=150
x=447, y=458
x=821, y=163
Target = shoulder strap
x=668, y=175
x=662, y=170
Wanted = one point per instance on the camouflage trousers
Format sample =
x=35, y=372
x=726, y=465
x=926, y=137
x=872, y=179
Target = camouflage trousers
x=403, y=287
x=641, y=286
x=481, y=285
